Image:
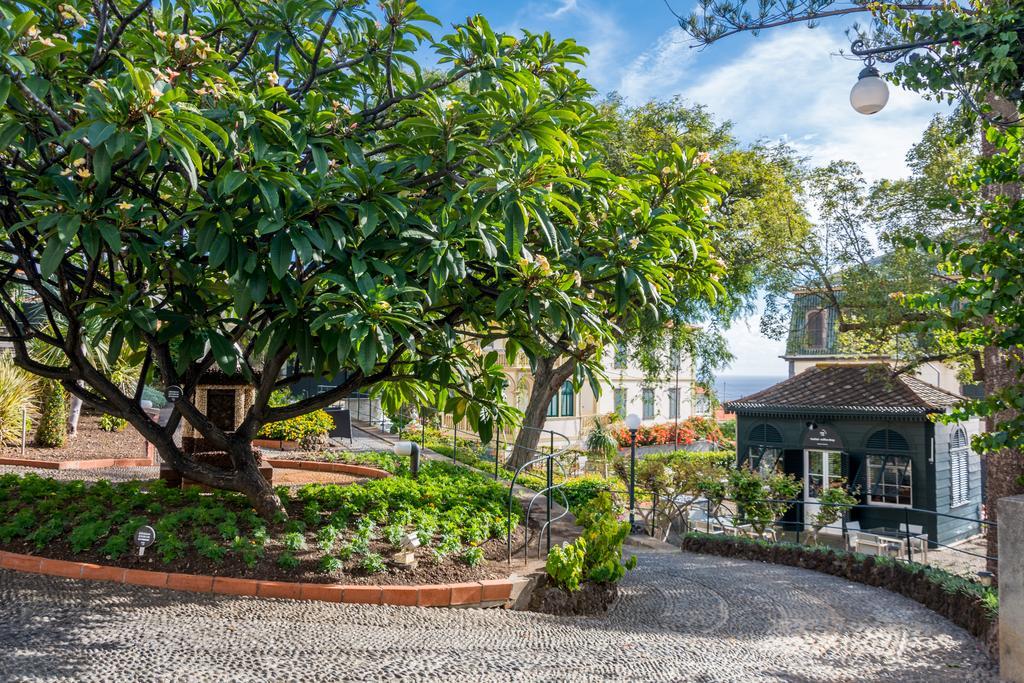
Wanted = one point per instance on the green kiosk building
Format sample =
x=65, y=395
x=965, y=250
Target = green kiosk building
x=860, y=424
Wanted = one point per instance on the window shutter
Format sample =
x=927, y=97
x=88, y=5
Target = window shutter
x=887, y=440
x=959, y=469
x=765, y=433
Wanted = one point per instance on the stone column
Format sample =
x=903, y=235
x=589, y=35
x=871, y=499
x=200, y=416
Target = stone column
x=1011, y=589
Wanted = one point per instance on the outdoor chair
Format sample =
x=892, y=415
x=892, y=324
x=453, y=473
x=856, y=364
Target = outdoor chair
x=916, y=539
x=697, y=520
x=860, y=541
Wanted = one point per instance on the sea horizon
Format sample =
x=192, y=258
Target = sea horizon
x=732, y=387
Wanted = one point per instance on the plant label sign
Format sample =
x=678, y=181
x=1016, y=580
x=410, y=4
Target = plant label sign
x=145, y=536
x=172, y=393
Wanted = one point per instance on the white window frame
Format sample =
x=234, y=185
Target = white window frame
x=887, y=459
x=673, y=404
x=764, y=456
x=959, y=469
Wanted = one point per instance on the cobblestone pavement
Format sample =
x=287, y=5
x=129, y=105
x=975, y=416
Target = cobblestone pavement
x=108, y=473
x=681, y=617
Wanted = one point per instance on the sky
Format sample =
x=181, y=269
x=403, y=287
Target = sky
x=788, y=84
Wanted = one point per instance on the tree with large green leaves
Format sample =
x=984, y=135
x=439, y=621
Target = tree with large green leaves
x=747, y=195
x=279, y=190
x=658, y=210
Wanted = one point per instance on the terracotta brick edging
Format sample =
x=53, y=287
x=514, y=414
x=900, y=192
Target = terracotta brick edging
x=490, y=593
x=77, y=464
x=317, y=466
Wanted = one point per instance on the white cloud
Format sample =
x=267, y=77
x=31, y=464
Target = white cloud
x=660, y=71
x=792, y=85
x=566, y=6
x=754, y=353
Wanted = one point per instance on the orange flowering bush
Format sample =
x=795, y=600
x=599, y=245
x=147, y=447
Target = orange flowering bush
x=689, y=430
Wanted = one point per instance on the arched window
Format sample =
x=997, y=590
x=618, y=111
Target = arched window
x=563, y=403
x=568, y=400
x=959, y=468
x=763, y=454
x=890, y=469
x=815, y=328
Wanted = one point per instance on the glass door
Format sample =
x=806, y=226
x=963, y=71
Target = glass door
x=821, y=469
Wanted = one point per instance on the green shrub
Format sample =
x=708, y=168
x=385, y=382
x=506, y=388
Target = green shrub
x=752, y=491
x=208, y=548
x=472, y=556
x=565, y=565
x=316, y=423
x=581, y=491
x=18, y=392
x=597, y=554
x=459, y=507
x=329, y=564
x=53, y=419
x=372, y=563
x=112, y=423
x=294, y=542
x=287, y=560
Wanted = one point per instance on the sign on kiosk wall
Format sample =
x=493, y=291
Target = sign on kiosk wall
x=822, y=437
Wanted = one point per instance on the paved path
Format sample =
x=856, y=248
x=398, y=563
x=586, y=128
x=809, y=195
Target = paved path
x=682, y=617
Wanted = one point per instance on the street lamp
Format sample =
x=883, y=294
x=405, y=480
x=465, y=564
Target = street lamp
x=632, y=424
x=870, y=93
x=411, y=450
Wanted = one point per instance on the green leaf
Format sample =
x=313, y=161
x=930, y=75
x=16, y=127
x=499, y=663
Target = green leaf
x=280, y=254
x=219, y=250
x=223, y=352
x=53, y=254
x=367, y=357
x=368, y=216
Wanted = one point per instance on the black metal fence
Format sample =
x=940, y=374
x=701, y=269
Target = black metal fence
x=663, y=515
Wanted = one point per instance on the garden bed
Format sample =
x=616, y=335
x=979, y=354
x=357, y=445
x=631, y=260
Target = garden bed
x=966, y=603
x=92, y=443
x=335, y=534
x=380, y=460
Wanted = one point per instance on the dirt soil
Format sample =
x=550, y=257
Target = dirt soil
x=449, y=570
x=592, y=598
x=288, y=477
x=92, y=443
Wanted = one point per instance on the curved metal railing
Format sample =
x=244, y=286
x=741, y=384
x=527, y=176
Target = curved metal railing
x=549, y=459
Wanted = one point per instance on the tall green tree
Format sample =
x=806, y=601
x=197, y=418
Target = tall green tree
x=975, y=59
x=743, y=192
x=280, y=191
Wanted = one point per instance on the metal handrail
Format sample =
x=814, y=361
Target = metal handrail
x=549, y=459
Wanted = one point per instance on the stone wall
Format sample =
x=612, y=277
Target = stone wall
x=1011, y=589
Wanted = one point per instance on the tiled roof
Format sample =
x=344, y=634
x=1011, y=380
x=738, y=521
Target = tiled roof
x=861, y=389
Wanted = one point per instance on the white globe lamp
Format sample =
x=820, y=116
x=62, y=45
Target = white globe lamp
x=870, y=93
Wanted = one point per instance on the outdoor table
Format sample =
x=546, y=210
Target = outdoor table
x=900, y=537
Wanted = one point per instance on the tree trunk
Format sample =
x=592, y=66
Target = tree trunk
x=73, y=414
x=244, y=477
x=256, y=488
x=547, y=381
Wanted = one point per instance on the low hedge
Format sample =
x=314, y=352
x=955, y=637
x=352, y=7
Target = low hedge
x=316, y=423
x=966, y=603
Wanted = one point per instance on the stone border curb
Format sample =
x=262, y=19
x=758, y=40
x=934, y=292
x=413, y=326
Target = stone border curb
x=77, y=464
x=489, y=593
x=316, y=466
x=277, y=444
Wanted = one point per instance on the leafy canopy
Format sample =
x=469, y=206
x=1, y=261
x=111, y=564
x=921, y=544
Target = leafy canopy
x=245, y=183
